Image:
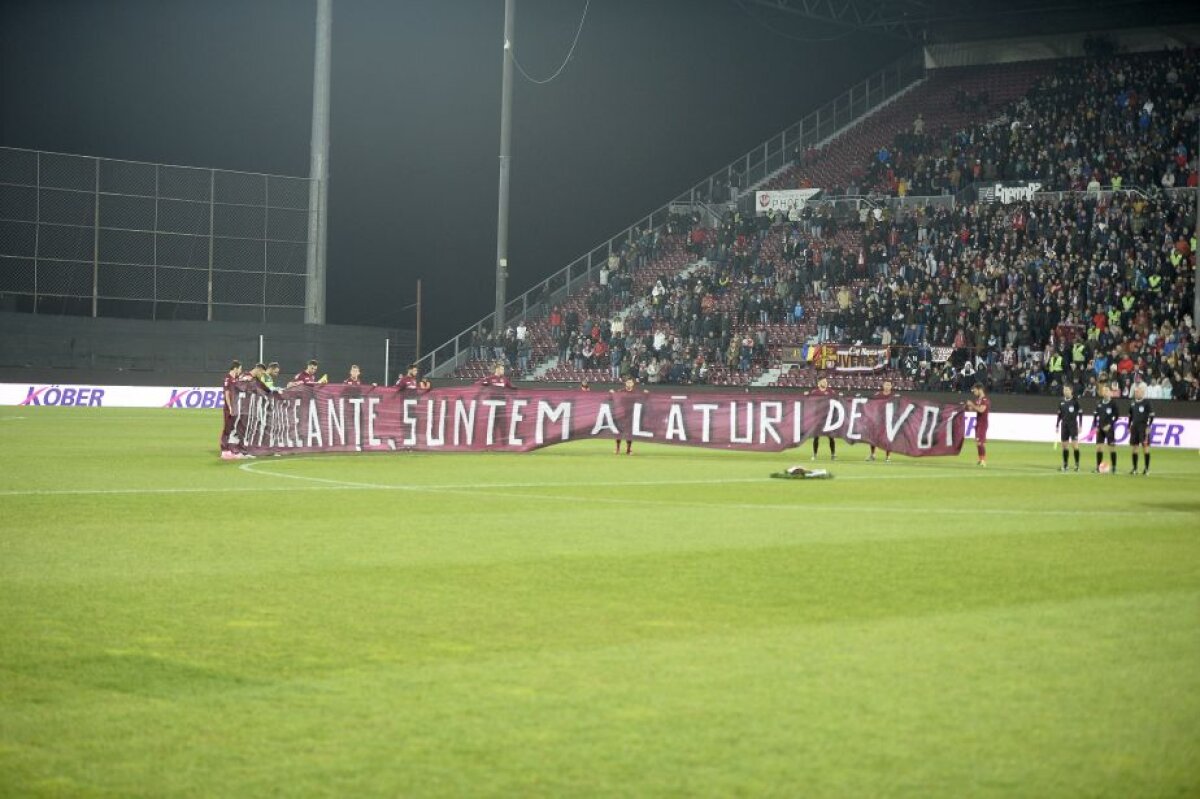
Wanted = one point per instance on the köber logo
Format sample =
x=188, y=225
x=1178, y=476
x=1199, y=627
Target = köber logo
x=195, y=398
x=75, y=396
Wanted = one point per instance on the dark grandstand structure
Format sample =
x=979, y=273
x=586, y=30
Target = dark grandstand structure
x=1022, y=214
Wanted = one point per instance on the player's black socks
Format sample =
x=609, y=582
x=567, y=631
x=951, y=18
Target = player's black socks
x=1099, y=459
x=832, y=448
x=1076, y=459
x=1064, y=459
x=1147, y=461
x=1112, y=459
x=1135, y=460
x=816, y=442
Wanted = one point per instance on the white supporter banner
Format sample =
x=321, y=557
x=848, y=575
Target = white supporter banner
x=768, y=202
x=1039, y=427
x=88, y=396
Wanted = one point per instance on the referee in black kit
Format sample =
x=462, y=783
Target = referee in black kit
x=1141, y=416
x=1070, y=419
x=1105, y=424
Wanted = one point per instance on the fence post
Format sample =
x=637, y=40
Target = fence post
x=37, y=227
x=212, y=193
x=96, y=244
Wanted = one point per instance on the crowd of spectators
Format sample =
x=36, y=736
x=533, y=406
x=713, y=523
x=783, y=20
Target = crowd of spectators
x=1026, y=296
x=1107, y=121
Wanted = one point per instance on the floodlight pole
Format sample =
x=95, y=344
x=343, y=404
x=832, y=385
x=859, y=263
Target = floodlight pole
x=318, y=171
x=510, y=10
x=417, y=357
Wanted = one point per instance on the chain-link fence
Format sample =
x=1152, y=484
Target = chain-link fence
x=99, y=237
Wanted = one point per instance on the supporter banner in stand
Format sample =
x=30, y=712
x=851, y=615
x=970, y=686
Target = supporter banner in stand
x=342, y=418
x=1007, y=191
x=768, y=202
x=857, y=358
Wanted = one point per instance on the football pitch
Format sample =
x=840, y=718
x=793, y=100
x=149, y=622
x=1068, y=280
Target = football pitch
x=573, y=623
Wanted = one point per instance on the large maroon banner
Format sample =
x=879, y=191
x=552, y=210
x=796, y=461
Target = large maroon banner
x=339, y=418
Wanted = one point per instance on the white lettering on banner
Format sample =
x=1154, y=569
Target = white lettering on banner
x=893, y=429
x=336, y=421
x=409, y=421
x=605, y=421
x=929, y=422
x=371, y=415
x=769, y=415
x=949, y=424
x=706, y=409
x=356, y=403
x=797, y=421
x=856, y=406
x=314, y=425
x=637, y=422
x=560, y=413
x=514, y=418
x=675, y=428
x=492, y=405
x=430, y=439
x=734, y=437
x=464, y=422
x=836, y=410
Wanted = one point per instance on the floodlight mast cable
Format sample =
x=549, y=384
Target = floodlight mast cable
x=510, y=11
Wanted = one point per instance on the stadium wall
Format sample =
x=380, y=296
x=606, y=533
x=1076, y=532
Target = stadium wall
x=64, y=350
x=1057, y=45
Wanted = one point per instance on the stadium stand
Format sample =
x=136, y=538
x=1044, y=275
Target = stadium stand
x=1087, y=277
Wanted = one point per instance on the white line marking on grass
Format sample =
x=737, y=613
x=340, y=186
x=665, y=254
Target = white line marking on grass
x=805, y=507
x=488, y=490
x=57, y=492
x=477, y=489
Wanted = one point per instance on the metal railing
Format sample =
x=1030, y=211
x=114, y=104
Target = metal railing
x=752, y=168
x=90, y=236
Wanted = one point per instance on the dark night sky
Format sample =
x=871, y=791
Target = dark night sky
x=658, y=94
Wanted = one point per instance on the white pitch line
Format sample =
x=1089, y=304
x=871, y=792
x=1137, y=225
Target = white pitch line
x=804, y=507
x=475, y=489
x=487, y=489
x=58, y=492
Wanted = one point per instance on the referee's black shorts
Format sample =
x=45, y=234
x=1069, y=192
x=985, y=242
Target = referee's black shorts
x=1068, y=434
x=1138, y=435
x=1106, y=438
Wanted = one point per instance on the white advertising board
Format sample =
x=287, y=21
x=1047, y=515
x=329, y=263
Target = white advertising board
x=1168, y=432
x=87, y=396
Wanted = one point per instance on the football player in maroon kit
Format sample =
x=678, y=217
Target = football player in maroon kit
x=355, y=376
x=822, y=390
x=497, y=379
x=628, y=389
x=887, y=395
x=981, y=405
x=408, y=380
x=231, y=378
x=305, y=377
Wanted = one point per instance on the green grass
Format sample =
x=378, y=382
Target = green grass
x=568, y=622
